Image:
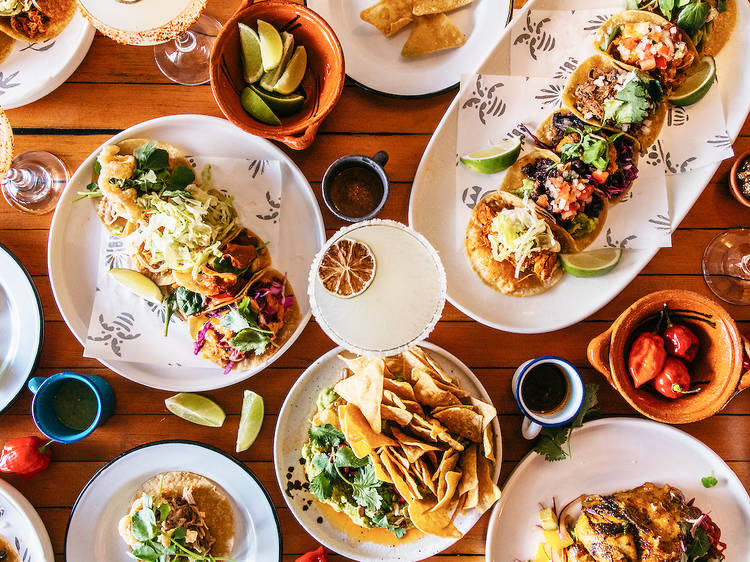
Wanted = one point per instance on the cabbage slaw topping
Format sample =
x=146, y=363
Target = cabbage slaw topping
x=14, y=7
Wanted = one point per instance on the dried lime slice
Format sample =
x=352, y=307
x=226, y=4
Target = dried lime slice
x=347, y=268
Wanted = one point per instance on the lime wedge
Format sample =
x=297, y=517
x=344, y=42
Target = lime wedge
x=293, y=73
x=279, y=104
x=251, y=420
x=591, y=264
x=271, y=46
x=137, y=283
x=697, y=84
x=255, y=106
x=272, y=76
x=252, y=63
x=494, y=159
x=196, y=409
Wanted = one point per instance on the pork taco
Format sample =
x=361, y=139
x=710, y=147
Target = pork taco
x=608, y=159
x=564, y=191
x=513, y=245
x=182, y=516
x=635, y=39
x=604, y=94
x=247, y=331
x=35, y=20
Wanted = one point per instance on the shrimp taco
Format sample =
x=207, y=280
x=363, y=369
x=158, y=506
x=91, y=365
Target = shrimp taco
x=635, y=39
x=247, y=331
x=564, y=191
x=35, y=20
x=606, y=95
x=513, y=245
x=181, y=515
x=608, y=159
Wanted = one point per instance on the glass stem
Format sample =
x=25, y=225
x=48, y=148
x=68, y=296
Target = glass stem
x=20, y=180
x=185, y=42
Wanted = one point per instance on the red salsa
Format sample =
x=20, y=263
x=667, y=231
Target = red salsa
x=356, y=191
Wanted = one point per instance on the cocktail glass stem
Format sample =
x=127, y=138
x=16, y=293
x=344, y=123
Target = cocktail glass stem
x=726, y=266
x=35, y=181
x=185, y=59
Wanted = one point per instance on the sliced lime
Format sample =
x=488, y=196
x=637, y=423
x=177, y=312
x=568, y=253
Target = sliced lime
x=293, y=73
x=252, y=63
x=593, y=263
x=697, y=84
x=269, y=79
x=271, y=46
x=138, y=284
x=255, y=106
x=196, y=409
x=251, y=420
x=494, y=159
x=279, y=104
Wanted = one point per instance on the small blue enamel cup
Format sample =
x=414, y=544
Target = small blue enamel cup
x=43, y=405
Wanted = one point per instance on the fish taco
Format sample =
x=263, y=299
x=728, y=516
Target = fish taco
x=608, y=159
x=565, y=191
x=513, y=245
x=181, y=513
x=604, y=94
x=35, y=20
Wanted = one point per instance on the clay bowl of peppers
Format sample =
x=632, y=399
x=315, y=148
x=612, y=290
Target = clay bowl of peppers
x=675, y=356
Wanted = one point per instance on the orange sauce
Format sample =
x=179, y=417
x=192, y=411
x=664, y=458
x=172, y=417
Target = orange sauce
x=377, y=535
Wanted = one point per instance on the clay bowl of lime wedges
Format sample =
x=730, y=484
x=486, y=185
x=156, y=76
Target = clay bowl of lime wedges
x=277, y=70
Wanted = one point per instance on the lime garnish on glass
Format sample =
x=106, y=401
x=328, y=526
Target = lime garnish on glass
x=591, y=264
x=252, y=62
x=251, y=420
x=255, y=106
x=293, y=73
x=697, y=84
x=271, y=46
x=137, y=283
x=269, y=79
x=494, y=159
x=280, y=104
x=196, y=409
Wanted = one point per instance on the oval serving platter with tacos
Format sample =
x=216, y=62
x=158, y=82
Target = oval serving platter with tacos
x=35, y=20
x=604, y=94
x=635, y=39
x=182, y=516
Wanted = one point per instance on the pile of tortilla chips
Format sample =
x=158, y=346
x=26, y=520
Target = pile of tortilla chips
x=425, y=435
x=432, y=31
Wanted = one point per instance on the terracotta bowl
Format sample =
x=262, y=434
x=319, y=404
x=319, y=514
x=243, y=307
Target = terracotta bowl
x=733, y=179
x=718, y=363
x=322, y=84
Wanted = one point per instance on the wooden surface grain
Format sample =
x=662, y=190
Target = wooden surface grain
x=118, y=86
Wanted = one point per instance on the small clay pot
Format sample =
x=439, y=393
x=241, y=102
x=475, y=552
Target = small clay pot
x=733, y=186
x=717, y=367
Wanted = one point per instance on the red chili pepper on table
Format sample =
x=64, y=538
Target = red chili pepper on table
x=25, y=456
x=674, y=380
x=680, y=341
x=317, y=555
x=646, y=358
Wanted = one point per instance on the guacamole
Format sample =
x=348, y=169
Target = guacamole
x=580, y=225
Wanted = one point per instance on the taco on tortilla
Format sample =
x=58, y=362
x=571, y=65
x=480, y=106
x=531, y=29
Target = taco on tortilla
x=35, y=20
x=604, y=94
x=513, y=245
x=8, y=553
x=247, y=331
x=180, y=512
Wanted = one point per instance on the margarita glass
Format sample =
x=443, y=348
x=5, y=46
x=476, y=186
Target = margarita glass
x=726, y=266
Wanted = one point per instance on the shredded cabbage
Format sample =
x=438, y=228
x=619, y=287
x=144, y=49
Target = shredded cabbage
x=13, y=7
x=182, y=232
x=518, y=233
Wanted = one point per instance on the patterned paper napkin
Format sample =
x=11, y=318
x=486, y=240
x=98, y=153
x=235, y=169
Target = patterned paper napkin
x=126, y=327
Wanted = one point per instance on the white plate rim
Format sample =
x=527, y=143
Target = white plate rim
x=179, y=442
x=25, y=507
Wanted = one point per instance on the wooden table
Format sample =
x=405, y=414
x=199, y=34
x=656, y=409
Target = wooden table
x=119, y=86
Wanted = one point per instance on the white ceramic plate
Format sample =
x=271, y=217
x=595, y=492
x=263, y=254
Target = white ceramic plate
x=75, y=233
x=291, y=434
x=375, y=62
x=432, y=202
x=23, y=327
x=21, y=526
x=33, y=70
x=92, y=528
x=617, y=454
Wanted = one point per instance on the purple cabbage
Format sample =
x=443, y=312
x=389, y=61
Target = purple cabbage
x=536, y=140
x=288, y=301
x=228, y=367
x=200, y=338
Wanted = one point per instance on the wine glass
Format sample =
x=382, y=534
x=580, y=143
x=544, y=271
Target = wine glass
x=32, y=181
x=182, y=36
x=726, y=266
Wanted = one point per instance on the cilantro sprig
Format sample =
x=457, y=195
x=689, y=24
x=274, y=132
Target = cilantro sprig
x=631, y=104
x=152, y=173
x=592, y=148
x=244, y=322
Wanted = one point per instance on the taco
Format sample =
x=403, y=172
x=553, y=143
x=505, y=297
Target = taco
x=606, y=158
x=635, y=39
x=247, y=331
x=513, y=245
x=35, y=20
x=7, y=552
x=564, y=192
x=603, y=94
x=183, y=508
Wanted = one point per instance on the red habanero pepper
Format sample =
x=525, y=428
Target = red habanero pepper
x=674, y=379
x=646, y=357
x=317, y=555
x=680, y=341
x=25, y=456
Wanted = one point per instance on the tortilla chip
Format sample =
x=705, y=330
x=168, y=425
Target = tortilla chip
x=460, y=507
x=360, y=436
x=423, y=7
x=435, y=32
x=364, y=389
x=380, y=470
x=431, y=365
x=432, y=522
x=425, y=476
x=464, y=421
x=389, y=15
x=448, y=490
x=489, y=493
x=354, y=362
x=428, y=393
x=396, y=366
x=413, y=448
x=488, y=411
x=488, y=443
x=469, y=486
x=396, y=477
x=402, y=389
x=400, y=416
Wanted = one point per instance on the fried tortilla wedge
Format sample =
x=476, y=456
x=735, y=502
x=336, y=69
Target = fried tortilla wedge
x=364, y=389
x=389, y=16
x=424, y=7
x=431, y=33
